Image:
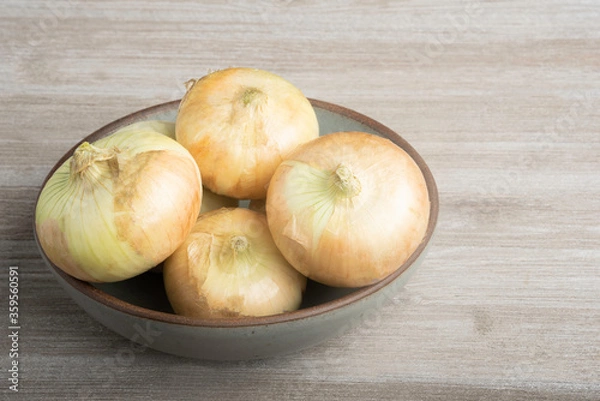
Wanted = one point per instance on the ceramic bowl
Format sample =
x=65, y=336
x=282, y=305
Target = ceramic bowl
x=138, y=308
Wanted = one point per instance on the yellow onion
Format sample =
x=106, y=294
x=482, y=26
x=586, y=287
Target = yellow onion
x=210, y=200
x=229, y=266
x=119, y=206
x=348, y=208
x=239, y=124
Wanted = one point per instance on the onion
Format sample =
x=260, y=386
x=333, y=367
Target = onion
x=239, y=124
x=348, y=208
x=119, y=206
x=210, y=200
x=229, y=266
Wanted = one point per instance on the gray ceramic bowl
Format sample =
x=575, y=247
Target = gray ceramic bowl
x=138, y=308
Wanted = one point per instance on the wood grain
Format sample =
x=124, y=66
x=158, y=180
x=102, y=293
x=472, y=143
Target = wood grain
x=501, y=98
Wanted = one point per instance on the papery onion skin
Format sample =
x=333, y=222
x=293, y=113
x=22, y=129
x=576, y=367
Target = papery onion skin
x=210, y=200
x=229, y=266
x=164, y=127
x=239, y=124
x=351, y=237
x=122, y=214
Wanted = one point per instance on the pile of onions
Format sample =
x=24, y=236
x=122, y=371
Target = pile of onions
x=345, y=209
x=120, y=206
x=348, y=208
x=239, y=124
x=229, y=266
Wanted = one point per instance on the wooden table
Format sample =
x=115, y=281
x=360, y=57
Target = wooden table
x=501, y=98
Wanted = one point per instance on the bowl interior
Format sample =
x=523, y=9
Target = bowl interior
x=145, y=296
x=147, y=291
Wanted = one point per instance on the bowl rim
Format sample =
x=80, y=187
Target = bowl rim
x=88, y=290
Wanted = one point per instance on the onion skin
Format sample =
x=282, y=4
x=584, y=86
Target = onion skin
x=239, y=124
x=352, y=234
x=229, y=266
x=111, y=217
x=210, y=200
x=164, y=127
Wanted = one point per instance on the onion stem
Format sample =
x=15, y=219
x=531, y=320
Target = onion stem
x=249, y=95
x=87, y=154
x=239, y=243
x=189, y=84
x=236, y=257
x=346, y=182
